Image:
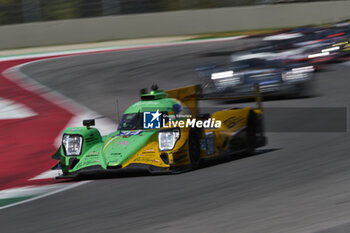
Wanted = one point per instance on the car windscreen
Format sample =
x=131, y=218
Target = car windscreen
x=131, y=121
x=250, y=64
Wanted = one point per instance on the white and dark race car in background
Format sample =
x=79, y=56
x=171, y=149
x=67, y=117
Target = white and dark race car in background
x=245, y=71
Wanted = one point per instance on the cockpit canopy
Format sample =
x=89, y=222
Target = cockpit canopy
x=155, y=103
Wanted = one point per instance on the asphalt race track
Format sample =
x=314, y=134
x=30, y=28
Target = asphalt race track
x=298, y=183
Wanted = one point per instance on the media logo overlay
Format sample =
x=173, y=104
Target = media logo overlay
x=152, y=120
x=156, y=120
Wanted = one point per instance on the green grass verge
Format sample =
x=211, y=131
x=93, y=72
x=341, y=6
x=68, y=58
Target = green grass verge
x=8, y=201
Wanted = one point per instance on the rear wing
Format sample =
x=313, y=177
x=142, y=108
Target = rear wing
x=190, y=96
x=187, y=95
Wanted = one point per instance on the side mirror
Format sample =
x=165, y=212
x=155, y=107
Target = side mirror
x=143, y=91
x=88, y=123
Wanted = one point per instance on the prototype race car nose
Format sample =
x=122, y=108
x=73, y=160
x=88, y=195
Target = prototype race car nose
x=119, y=149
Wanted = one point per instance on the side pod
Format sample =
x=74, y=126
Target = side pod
x=57, y=155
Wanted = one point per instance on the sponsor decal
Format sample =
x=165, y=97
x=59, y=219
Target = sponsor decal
x=233, y=121
x=143, y=159
x=75, y=129
x=93, y=153
x=130, y=133
x=149, y=151
x=123, y=143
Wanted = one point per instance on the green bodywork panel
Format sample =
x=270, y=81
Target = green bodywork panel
x=119, y=149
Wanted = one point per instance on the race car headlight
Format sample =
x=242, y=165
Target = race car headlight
x=167, y=139
x=72, y=144
x=316, y=55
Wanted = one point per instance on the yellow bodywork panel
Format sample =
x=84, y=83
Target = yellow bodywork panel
x=150, y=153
x=233, y=122
x=187, y=95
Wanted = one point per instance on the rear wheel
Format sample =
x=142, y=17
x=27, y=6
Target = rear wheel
x=194, y=148
x=251, y=134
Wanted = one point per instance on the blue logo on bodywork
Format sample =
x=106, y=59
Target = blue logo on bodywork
x=151, y=120
x=130, y=133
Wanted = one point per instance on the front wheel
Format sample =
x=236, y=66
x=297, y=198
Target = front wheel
x=194, y=148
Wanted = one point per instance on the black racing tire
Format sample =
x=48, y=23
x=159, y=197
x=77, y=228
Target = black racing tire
x=251, y=134
x=306, y=89
x=194, y=147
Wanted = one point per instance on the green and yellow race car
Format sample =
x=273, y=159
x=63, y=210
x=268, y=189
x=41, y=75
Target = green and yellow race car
x=163, y=132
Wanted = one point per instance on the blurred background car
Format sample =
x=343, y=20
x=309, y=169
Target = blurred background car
x=274, y=77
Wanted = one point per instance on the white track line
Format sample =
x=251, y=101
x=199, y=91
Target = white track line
x=50, y=174
x=25, y=191
x=12, y=110
x=81, y=112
